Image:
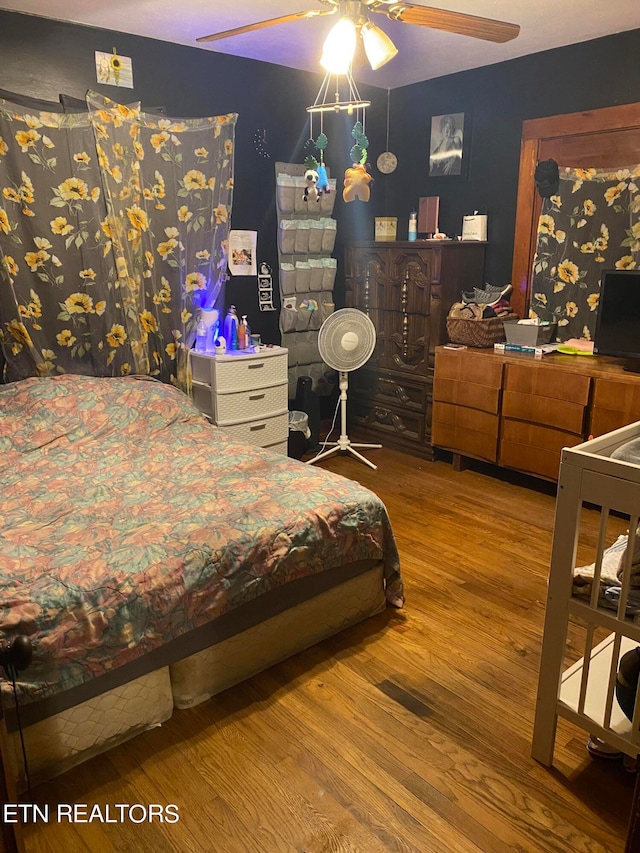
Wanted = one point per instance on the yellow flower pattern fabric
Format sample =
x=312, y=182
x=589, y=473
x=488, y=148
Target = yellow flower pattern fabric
x=592, y=224
x=113, y=236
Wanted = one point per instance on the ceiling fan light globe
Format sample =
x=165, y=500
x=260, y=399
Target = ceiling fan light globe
x=377, y=45
x=339, y=47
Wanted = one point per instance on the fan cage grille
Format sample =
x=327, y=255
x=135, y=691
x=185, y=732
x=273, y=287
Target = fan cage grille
x=347, y=339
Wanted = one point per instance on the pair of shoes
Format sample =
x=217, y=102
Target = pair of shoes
x=491, y=292
x=600, y=749
x=489, y=296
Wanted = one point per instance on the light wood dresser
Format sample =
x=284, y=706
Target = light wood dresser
x=519, y=412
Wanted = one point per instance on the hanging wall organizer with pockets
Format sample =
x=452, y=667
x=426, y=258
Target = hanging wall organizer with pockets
x=307, y=271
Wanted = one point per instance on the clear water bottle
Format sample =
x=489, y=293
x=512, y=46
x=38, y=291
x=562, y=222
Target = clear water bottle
x=201, y=337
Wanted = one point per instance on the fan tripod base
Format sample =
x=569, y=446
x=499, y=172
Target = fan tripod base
x=345, y=444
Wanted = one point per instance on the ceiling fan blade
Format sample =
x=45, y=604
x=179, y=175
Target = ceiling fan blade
x=451, y=22
x=259, y=25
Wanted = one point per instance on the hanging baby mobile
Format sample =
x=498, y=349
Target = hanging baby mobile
x=315, y=176
x=356, y=177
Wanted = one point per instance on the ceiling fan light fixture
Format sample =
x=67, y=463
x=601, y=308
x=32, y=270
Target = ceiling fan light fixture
x=377, y=45
x=339, y=47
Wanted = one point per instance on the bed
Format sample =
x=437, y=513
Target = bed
x=154, y=561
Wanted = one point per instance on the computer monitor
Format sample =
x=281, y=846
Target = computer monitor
x=618, y=322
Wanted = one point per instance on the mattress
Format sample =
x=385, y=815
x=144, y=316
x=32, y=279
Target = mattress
x=58, y=743
x=200, y=676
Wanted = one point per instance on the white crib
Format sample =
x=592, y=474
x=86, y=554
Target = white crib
x=584, y=692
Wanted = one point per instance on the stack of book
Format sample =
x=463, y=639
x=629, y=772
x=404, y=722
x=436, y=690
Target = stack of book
x=537, y=351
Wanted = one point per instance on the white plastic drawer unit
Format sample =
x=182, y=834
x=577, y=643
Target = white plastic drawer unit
x=264, y=432
x=246, y=394
x=242, y=405
x=242, y=372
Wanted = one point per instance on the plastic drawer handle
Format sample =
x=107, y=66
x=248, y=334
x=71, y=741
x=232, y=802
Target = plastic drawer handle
x=257, y=427
x=257, y=396
x=254, y=366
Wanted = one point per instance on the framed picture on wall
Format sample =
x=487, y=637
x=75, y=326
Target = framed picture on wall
x=448, y=154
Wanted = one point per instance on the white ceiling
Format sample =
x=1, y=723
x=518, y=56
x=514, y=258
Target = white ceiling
x=423, y=53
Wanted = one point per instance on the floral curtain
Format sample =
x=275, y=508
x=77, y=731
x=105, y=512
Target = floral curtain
x=113, y=236
x=593, y=223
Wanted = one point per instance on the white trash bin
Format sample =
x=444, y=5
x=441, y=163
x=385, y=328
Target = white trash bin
x=299, y=434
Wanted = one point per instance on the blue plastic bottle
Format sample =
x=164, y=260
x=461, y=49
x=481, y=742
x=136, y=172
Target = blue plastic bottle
x=231, y=328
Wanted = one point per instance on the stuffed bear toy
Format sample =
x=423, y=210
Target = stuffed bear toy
x=356, y=183
x=311, y=190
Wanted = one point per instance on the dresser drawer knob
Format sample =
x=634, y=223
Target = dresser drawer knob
x=256, y=427
x=256, y=365
x=257, y=396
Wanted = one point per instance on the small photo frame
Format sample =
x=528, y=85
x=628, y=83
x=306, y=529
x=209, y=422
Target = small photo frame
x=114, y=70
x=448, y=148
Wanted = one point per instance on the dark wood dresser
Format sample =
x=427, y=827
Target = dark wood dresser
x=407, y=290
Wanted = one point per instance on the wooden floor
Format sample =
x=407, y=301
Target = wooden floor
x=409, y=732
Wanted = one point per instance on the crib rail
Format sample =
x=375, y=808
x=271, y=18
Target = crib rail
x=585, y=691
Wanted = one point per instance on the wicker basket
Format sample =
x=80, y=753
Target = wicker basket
x=478, y=333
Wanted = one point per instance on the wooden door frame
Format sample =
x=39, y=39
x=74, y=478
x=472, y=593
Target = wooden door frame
x=536, y=133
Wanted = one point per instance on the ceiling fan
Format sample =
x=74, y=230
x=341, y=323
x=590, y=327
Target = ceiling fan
x=354, y=18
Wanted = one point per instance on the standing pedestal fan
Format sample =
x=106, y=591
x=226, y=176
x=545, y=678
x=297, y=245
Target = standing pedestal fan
x=346, y=341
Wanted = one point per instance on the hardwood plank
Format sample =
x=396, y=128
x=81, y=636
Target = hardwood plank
x=408, y=732
x=469, y=776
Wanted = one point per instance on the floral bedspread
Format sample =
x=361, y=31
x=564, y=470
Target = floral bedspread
x=127, y=520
